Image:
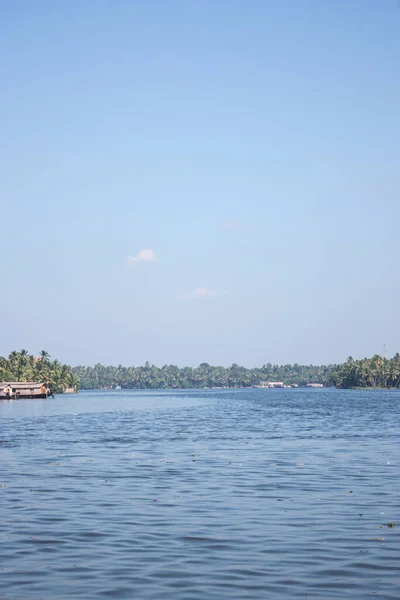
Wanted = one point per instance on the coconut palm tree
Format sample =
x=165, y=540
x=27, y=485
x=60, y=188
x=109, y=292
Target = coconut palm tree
x=44, y=356
x=72, y=381
x=22, y=366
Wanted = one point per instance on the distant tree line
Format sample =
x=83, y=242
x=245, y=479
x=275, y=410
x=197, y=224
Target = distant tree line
x=375, y=372
x=22, y=366
x=205, y=375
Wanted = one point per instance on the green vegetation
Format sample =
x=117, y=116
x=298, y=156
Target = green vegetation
x=170, y=376
x=375, y=372
x=21, y=366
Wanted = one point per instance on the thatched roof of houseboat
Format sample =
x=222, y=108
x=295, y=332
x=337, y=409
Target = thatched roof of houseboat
x=21, y=385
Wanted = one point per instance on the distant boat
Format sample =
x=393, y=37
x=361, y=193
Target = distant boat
x=117, y=387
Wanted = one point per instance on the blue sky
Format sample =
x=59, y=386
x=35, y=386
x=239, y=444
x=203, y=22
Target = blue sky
x=191, y=181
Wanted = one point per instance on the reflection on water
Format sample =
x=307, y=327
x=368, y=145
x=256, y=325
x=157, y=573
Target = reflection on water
x=201, y=494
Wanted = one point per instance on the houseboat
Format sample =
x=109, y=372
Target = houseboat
x=23, y=389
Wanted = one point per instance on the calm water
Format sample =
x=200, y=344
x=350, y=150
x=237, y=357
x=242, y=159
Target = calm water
x=201, y=495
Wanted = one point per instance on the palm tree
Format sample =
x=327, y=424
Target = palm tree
x=72, y=381
x=395, y=370
x=13, y=360
x=22, y=366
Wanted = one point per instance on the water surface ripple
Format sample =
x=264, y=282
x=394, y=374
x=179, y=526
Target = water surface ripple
x=203, y=494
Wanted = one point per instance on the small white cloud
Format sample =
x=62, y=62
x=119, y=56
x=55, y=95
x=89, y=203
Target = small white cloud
x=228, y=225
x=200, y=293
x=143, y=256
